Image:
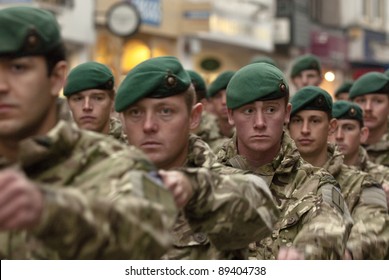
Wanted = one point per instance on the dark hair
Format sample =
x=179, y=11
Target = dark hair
x=54, y=56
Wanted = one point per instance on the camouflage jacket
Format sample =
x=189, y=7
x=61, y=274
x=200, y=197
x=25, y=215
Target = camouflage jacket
x=379, y=172
x=116, y=130
x=63, y=110
x=366, y=201
x=209, y=131
x=236, y=209
x=379, y=152
x=99, y=202
x=313, y=215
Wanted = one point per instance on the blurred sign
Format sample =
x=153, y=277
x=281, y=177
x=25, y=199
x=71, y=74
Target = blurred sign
x=150, y=11
x=210, y=64
x=329, y=46
x=249, y=23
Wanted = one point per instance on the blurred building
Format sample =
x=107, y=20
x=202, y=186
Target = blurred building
x=350, y=37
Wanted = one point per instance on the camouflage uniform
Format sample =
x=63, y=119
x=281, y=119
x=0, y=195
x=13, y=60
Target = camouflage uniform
x=99, y=201
x=209, y=131
x=313, y=217
x=379, y=152
x=116, y=130
x=367, y=203
x=63, y=110
x=235, y=211
x=379, y=172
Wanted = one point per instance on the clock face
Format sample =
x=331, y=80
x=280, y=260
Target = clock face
x=123, y=19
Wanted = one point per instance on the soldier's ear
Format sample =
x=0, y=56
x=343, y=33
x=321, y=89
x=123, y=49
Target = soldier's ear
x=195, y=115
x=364, y=134
x=230, y=119
x=57, y=77
x=332, y=126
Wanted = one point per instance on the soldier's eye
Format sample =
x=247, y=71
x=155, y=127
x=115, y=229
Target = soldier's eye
x=166, y=111
x=18, y=67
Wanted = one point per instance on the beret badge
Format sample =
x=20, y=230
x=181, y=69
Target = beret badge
x=319, y=102
x=32, y=41
x=170, y=81
x=352, y=112
x=282, y=87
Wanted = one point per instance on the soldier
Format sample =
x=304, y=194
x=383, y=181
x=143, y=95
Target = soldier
x=208, y=130
x=64, y=192
x=306, y=71
x=216, y=95
x=257, y=98
x=349, y=134
x=310, y=125
x=342, y=91
x=160, y=114
x=90, y=93
x=371, y=92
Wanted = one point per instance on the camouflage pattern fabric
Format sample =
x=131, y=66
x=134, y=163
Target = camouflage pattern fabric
x=379, y=172
x=63, y=110
x=116, y=130
x=230, y=209
x=100, y=202
x=379, y=152
x=366, y=201
x=209, y=131
x=313, y=216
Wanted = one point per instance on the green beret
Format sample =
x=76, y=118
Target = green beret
x=157, y=77
x=199, y=83
x=28, y=31
x=347, y=110
x=220, y=83
x=256, y=82
x=345, y=87
x=311, y=98
x=261, y=58
x=88, y=75
x=305, y=62
x=372, y=82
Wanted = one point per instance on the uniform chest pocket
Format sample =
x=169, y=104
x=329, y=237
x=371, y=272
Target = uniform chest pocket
x=291, y=223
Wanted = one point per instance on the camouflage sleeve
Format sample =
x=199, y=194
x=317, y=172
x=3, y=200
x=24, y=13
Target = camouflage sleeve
x=123, y=224
x=233, y=209
x=325, y=226
x=368, y=238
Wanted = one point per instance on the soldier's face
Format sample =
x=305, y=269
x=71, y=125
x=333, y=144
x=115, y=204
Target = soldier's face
x=310, y=129
x=307, y=78
x=348, y=136
x=27, y=96
x=259, y=127
x=219, y=104
x=91, y=109
x=342, y=96
x=375, y=110
x=160, y=127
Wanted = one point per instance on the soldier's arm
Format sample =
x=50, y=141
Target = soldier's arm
x=325, y=227
x=117, y=226
x=368, y=239
x=121, y=218
x=233, y=209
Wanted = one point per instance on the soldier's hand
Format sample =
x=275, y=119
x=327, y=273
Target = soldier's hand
x=179, y=185
x=21, y=202
x=289, y=253
x=347, y=255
